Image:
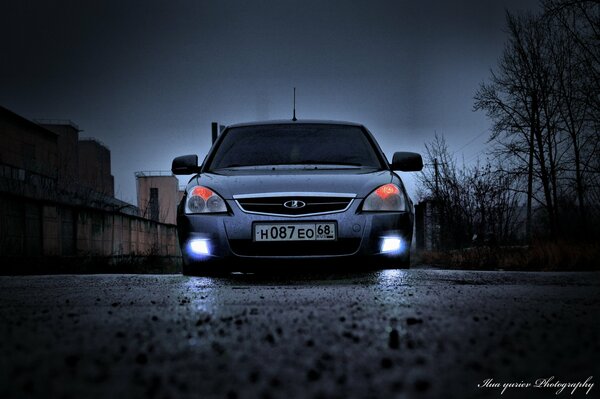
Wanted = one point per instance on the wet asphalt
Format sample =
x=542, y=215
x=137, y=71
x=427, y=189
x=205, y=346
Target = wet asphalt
x=388, y=334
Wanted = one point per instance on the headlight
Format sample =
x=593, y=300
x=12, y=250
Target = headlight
x=385, y=198
x=203, y=200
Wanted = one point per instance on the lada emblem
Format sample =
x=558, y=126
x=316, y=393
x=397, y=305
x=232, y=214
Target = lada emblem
x=294, y=204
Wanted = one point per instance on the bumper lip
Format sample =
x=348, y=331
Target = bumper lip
x=276, y=264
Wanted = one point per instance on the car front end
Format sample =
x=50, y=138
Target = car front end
x=240, y=217
x=246, y=233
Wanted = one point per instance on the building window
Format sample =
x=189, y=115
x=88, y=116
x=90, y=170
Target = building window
x=153, y=204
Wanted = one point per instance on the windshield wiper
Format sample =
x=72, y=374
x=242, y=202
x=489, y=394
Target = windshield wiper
x=237, y=166
x=328, y=163
x=302, y=163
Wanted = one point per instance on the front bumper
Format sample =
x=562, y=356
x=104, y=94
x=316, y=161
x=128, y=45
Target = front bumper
x=228, y=237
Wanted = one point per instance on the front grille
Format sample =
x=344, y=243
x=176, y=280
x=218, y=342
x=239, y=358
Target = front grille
x=305, y=205
x=344, y=246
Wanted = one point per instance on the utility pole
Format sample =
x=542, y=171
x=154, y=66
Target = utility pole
x=529, y=188
x=437, y=178
x=294, y=117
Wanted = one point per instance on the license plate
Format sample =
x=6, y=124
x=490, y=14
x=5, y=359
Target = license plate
x=295, y=231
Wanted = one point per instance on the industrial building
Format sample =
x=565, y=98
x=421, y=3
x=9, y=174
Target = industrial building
x=57, y=197
x=28, y=156
x=158, y=195
x=82, y=162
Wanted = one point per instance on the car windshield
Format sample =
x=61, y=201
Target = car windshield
x=330, y=146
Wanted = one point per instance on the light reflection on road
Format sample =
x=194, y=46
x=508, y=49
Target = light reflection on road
x=391, y=276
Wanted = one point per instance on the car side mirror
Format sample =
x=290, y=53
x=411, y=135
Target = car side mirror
x=185, y=165
x=407, y=162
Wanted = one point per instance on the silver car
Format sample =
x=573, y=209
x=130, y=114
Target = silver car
x=279, y=191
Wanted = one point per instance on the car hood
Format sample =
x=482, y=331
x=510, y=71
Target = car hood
x=229, y=183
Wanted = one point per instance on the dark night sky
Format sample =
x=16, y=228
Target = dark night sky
x=147, y=78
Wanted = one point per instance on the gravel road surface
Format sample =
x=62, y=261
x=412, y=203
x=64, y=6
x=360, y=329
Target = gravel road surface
x=389, y=334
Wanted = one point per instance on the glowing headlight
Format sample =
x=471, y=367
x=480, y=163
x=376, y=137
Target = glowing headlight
x=198, y=247
x=385, y=198
x=204, y=200
x=391, y=244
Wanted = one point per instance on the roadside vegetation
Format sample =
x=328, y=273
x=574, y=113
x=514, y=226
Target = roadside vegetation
x=533, y=202
x=544, y=255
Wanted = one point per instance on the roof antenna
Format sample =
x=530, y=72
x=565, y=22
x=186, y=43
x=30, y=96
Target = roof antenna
x=294, y=118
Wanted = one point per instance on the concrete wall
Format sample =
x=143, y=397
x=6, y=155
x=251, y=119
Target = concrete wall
x=40, y=228
x=56, y=198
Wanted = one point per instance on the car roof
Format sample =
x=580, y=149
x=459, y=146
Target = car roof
x=298, y=122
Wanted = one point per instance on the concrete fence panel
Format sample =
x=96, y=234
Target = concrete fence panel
x=40, y=228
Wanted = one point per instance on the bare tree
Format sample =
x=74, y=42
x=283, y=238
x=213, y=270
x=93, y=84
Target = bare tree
x=478, y=201
x=520, y=101
x=544, y=101
x=578, y=58
x=580, y=20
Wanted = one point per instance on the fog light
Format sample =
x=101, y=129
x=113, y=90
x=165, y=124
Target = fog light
x=199, y=247
x=391, y=244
